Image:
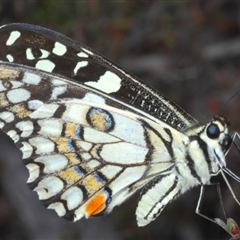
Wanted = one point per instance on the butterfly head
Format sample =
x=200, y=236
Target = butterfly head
x=217, y=138
x=218, y=129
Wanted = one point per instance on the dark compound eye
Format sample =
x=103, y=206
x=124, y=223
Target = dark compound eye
x=213, y=131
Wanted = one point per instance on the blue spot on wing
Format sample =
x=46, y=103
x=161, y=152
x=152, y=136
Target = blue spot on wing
x=70, y=145
x=98, y=178
x=78, y=132
x=108, y=193
x=107, y=116
x=79, y=170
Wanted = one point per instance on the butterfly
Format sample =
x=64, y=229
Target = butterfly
x=91, y=134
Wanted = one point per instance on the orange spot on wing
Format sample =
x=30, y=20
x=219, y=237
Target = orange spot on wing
x=96, y=204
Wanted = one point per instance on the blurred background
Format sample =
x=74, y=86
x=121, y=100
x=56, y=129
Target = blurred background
x=189, y=51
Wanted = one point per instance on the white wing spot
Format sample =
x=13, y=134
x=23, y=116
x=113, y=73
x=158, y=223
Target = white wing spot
x=110, y=171
x=92, y=164
x=80, y=65
x=14, y=35
x=2, y=124
x=10, y=58
x=96, y=136
x=26, y=127
x=58, y=91
x=57, y=82
x=86, y=156
x=13, y=135
x=49, y=187
x=31, y=78
x=29, y=54
x=88, y=51
x=82, y=54
x=91, y=97
x=34, y=171
x=52, y=163
x=45, y=111
x=59, y=49
x=45, y=65
x=7, y=116
x=26, y=149
x=73, y=197
x=34, y=104
x=18, y=95
x=108, y=83
x=45, y=53
x=58, y=207
x=123, y=153
x=50, y=127
x=16, y=84
x=42, y=145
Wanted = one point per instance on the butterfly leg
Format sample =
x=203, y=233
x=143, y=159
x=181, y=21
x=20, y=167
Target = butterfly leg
x=201, y=195
x=230, y=226
x=199, y=204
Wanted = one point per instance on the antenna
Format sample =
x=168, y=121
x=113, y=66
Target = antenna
x=233, y=96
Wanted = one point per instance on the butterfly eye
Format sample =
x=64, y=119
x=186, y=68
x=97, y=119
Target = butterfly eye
x=213, y=131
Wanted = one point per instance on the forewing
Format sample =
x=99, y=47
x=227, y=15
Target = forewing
x=53, y=52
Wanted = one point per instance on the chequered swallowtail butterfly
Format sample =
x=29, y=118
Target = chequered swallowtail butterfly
x=92, y=134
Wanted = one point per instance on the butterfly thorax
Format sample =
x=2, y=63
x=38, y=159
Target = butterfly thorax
x=197, y=154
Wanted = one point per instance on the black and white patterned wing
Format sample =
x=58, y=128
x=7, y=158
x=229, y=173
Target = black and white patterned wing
x=53, y=52
x=86, y=153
